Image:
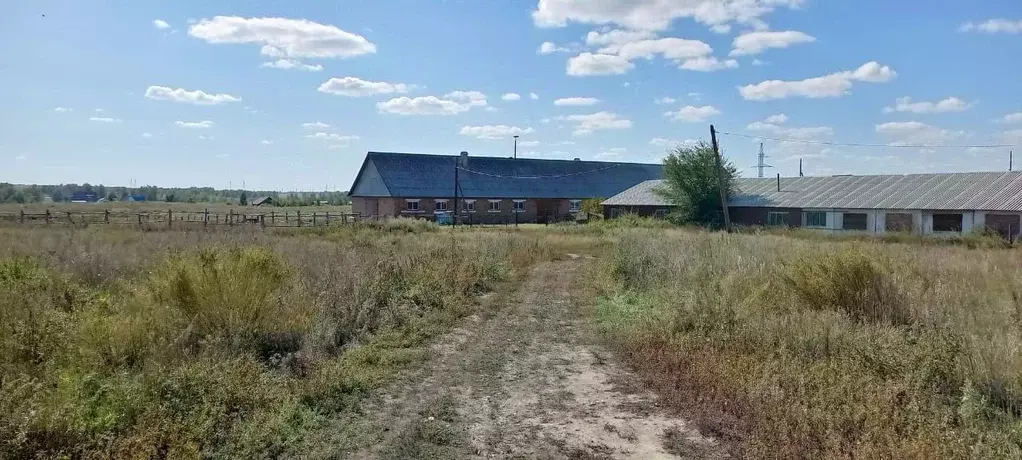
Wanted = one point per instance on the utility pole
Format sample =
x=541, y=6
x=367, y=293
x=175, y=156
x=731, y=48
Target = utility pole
x=762, y=161
x=720, y=179
x=799, y=167
x=454, y=214
x=1011, y=158
x=516, y=146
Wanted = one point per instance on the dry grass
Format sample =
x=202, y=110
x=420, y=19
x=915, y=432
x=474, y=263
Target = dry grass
x=248, y=344
x=796, y=348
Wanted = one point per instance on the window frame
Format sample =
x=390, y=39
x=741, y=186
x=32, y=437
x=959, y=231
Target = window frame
x=865, y=221
x=887, y=222
x=574, y=205
x=492, y=202
x=816, y=214
x=784, y=220
x=469, y=205
x=518, y=205
x=437, y=203
x=409, y=202
x=961, y=222
x=660, y=214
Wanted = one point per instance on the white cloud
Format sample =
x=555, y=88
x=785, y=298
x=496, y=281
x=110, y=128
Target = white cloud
x=576, y=101
x=832, y=85
x=206, y=124
x=197, y=97
x=659, y=141
x=656, y=14
x=551, y=48
x=105, y=120
x=695, y=96
x=533, y=96
x=612, y=41
x=494, y=131
x=1012, y=118
x=588, y=64
x=147, y=135
x=266, y=142
x=804, y=133
x=611, y=154
x=63, y=110
x=670, y=48
x=160, y=24
x=451, y=104
x=511, y=97
x=284, y=38
x=707, y=64
x=587, y=124
x=528, y=143
x=916, y=133
x=98, y=110
x=665, y=100
x=291, y=64
x=203, y=137
x=905, y=104
x=778, y=119
x=357, y=87
x=993, y=26
x=757, y=42
x=693, y=114
x=757, y=62
x=332, y=137
x=315, y=125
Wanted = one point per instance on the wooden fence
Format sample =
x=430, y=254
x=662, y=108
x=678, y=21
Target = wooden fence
x=170, y=218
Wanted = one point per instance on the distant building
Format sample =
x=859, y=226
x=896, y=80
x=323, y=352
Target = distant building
x=83, y=197
x=490, y=189
x=939, y=204
x=263, y=200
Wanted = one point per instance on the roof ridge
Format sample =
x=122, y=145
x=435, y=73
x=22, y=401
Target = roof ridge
x=441, y=155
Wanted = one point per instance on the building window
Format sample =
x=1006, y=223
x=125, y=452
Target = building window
x=470, y=205
x=816, y=219
x=494, y=205
x=412, y=206
x=519, y=205
x=777, y=218
x=853, y=221
x=574, y=205
x=660, y=214
x=898, y=222
x=947, y=222
x=441, y=205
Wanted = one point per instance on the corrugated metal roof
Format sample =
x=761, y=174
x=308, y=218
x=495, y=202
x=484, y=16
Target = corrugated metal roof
x=992, y=191
x=421, y=175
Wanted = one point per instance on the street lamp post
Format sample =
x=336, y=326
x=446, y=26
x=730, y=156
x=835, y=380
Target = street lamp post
x=516, y=146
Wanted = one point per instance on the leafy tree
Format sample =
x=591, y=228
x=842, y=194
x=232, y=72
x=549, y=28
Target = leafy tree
x=592, y=206
x=244, y=199
x=691, y=182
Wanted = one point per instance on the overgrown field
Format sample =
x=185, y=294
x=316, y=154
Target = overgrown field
x=795, y=348
x=125, y=344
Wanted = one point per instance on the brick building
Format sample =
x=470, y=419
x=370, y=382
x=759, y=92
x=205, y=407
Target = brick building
x=489, y=189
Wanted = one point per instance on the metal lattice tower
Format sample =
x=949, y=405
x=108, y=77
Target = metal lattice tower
x=762, y=161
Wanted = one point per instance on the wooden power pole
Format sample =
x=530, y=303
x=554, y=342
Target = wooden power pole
x=720, y=179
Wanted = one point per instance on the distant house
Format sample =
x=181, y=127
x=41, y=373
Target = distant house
x=940, y=204
x=83, y=197
x=489, y=189
x=262, y=200
x=135, y=198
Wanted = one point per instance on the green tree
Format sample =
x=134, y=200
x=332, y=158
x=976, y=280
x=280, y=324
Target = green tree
x=592, y=206
x=691, y=182
x=244, y=199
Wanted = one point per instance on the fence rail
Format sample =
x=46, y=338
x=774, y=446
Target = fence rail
x=190, y=219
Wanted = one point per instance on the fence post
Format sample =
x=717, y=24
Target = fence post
x=170, y=218
x=139, y=219
x=262, y=220
x=273, y=220
x=205, y=218
x=106, y=216
x=313, y=219
x=69, y=219
x=287, y=220
x=328, y=218
x=47, y=217
x=230, y=222
x=299, y=213
x=21, y=217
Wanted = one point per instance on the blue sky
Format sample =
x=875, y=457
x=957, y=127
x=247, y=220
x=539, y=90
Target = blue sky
x=290, y=95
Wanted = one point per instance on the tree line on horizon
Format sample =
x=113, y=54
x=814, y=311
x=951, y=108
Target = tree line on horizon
x=36, y=193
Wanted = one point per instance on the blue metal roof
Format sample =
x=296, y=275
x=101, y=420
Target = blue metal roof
x=421, y=175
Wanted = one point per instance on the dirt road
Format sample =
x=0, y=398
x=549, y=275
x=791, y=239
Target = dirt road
x=527, y=380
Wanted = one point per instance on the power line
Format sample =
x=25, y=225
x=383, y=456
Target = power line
x=555, y=176
x=854, y=144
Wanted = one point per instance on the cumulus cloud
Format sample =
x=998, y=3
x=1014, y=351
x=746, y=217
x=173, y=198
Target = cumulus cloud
x=266, y=142
x=511, y=97
x=551, y=48
x=752, y=43
x=1012, y=118
x=576, y=101
x=905, y=104
x=283, y=38
x=291, y=64
x=611, y=41
x=332, y=137
x=63, y=110
x=205, y=124
x=315, y=125
x=533, y=96
x=587, y=124
x=357, y=87
x=772, y=125
x=588, y=64
x=669, y=47
x=160, y=24
x=993, y=26
x=693, y=114
x=494, y=131
x=105, y=120
x=452, y=103
x=833, y=85
x=916, y=133
x=662, y=142
x=707, y=64
x=665, y=100
x=656, y=14
x=778, y=119
x=197, y=97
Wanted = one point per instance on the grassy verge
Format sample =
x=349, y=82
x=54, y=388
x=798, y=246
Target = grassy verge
x=790, y=348
x=126, y=345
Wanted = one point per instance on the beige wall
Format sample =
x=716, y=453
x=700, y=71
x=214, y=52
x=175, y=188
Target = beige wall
x=397, y=207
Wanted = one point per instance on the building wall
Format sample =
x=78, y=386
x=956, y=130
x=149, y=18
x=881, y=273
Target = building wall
x=535, y=210
x=614, y=211
x=759, y=216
